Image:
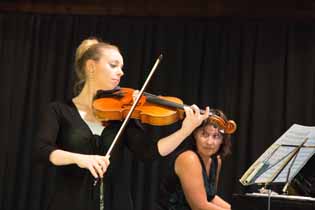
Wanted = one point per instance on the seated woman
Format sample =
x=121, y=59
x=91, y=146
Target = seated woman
x=192, y=182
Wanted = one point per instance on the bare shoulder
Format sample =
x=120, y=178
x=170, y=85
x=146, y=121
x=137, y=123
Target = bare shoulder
x=188, y=156
x=187, y=161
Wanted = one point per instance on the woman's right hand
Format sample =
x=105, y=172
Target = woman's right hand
x=96, y=164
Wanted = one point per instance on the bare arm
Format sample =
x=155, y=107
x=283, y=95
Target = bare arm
x=192, y=120
x=189, y=171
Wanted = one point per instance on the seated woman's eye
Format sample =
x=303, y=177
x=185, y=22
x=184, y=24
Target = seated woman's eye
x=112, y=65
x=217, y=136
x=205, y=134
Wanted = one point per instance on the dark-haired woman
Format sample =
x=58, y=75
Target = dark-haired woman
x=191, y=183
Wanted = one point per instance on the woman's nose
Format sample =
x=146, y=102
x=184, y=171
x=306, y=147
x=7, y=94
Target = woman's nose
x=210, y=140
x=120, y=72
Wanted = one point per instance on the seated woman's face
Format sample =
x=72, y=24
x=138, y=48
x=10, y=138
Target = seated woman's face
x=208, y=140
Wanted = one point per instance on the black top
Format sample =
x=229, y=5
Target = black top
x=171, y=195
x=62, y=127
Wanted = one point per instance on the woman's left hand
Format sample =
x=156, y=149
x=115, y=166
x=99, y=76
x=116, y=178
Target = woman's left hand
x=193, y=117
x=135, y=94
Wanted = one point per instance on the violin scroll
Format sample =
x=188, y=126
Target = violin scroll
x=227, y=127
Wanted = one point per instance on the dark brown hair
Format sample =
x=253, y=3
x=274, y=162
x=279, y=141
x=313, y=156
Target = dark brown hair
x=225, y=148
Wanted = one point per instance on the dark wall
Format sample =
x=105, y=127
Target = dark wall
x=196, y=8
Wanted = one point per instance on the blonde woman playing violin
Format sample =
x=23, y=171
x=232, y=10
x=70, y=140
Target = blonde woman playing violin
x=71, y=138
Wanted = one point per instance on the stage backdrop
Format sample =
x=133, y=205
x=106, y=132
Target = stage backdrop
x=259, y=71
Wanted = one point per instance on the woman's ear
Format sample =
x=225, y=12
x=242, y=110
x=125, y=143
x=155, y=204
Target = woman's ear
x=90, y=67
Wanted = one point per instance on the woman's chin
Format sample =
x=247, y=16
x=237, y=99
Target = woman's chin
x=207, y=153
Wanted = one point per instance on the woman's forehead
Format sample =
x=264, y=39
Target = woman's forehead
x=211, y=129
x=112, y=54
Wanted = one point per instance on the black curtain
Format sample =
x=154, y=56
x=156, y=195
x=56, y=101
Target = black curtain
x=259, y=71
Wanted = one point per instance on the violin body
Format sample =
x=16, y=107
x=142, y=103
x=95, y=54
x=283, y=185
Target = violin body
x=151, y=109
x=115, y=108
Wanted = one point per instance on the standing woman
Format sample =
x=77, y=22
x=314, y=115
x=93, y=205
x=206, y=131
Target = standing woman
x=192, y=181
x=71, y=138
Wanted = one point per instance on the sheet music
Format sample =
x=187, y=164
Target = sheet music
x=296, y=134
x=278, y=160
x=291, y=150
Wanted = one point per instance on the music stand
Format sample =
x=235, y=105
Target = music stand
x=281, y=162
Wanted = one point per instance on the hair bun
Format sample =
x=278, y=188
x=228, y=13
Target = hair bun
x=84, y=46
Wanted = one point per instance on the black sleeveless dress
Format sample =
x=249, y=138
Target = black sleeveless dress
x=172, y=197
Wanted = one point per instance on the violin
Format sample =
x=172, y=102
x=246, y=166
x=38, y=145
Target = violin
x=118, y=104
x=150, y=109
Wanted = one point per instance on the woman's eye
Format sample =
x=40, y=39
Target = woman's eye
x=217, y=136
x=112, y=65
x=206, y=135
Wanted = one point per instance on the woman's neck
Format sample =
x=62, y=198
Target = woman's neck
x=85, y=98
x=83, y=102
x=206, y=161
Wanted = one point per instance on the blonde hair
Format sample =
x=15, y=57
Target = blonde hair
x=88, y=49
